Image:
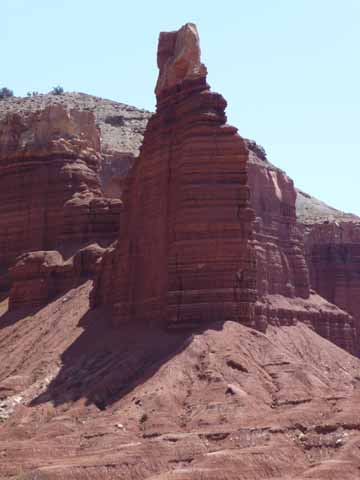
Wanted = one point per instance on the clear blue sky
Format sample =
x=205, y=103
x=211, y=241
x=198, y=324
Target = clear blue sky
x=289, y=70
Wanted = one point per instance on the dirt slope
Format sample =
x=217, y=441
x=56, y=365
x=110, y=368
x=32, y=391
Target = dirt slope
x=310, y=210
x=85, y=401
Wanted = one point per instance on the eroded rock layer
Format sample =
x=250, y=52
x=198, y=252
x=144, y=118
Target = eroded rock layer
x=37, y=277
x=49, y=172
x=281, y=266
x=283, y=281
x=333, y=254
x=184, y=254
x=121, y=127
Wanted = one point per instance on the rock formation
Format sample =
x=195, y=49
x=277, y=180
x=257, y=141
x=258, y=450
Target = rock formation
x=51, y=196
x=283, y=281
x=80, y=399
x=189, y=243
x=37, y=277
x=281, y=266
x=184, y=254
x=121, y=128
x=332, y=245
x=333, y=255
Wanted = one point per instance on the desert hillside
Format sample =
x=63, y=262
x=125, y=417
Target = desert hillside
x=171, y=306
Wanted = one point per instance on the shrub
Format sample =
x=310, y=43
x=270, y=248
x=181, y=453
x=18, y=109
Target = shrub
x=143, y=418
x=57, y=90
x=5, y=93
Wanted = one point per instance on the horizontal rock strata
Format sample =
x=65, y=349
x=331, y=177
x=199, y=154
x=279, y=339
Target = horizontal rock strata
x=184, y=254
x=333, y=255
x=121, y=128
x=281, y=265
x=51, y=196
x=282, y=270
x=38, y=277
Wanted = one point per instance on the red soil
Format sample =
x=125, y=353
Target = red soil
x=85, y=401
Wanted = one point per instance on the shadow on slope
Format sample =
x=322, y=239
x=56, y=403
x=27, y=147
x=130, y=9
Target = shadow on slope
x=105, y=363
x=10, y=317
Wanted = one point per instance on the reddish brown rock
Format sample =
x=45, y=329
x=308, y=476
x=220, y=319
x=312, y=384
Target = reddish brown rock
x=283, y=281
x=51, y=196
x=333, y=254
x=281, y=265
x=80, y=400
x=38, y=277
x=34, y=278
x=184, y=254
x=121, y=128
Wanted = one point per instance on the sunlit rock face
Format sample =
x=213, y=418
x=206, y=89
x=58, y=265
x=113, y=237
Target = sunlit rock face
x=51, y=195
x=184, y=255
x=283, y=281
x=38, y=277
x=191, y=249
x=178, y=59
x=279, y=239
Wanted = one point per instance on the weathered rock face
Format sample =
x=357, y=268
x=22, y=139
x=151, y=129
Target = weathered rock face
x=333, y=254
x=283, y=281
x=184, y=253
x=121, y=128
x=281, y=266
x=38, y=277
x=332, y=243
x=49, y=172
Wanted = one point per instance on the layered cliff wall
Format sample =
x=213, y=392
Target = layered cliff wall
x=283, y=280
x=51, y=196
x=281, y=266
x=184, y=254
x=333, y=255
x=180, y=200
x=121, y=129
x=332, y=244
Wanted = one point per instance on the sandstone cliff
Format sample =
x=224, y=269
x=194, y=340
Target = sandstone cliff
x=51, y=196
x=332, y=241
x=80, y=399
x=184, y=255
x=282, y=274
x=121, y=129
x=283, y=281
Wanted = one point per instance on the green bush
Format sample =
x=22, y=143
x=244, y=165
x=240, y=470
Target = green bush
x=5, y=93
x=57, y=90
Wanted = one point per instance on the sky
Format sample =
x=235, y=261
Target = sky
x=289, y=70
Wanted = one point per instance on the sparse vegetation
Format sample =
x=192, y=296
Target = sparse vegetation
x=5, y=93
x=32, y=94
x=115, y=120
x=143, y=418
x=57, y=90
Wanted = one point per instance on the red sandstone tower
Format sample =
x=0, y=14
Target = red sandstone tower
x=184, y=254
